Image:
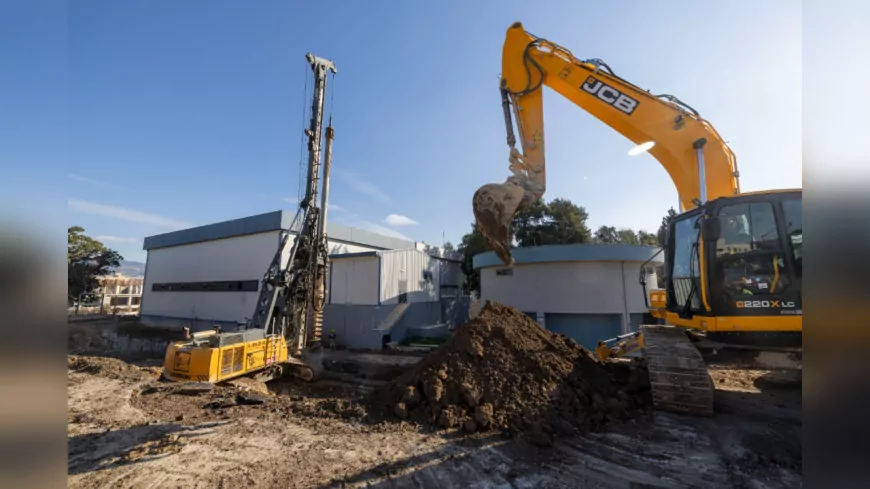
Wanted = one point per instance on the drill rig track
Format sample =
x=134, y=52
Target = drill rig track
x=677, y=371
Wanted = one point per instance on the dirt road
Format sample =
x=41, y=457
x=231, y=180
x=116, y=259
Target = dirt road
x=128, y=430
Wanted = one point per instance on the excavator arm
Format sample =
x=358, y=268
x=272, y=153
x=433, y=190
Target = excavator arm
x=699, y=162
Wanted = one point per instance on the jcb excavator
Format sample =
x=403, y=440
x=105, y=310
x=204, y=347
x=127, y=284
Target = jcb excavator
x=733, y=260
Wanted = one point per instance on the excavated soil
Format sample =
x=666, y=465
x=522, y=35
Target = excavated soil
x=112, y=368
x=127, y=428
x=502, y=371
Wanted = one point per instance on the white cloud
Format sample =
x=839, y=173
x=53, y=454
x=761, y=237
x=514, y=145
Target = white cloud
x=79, y=178
x=117, y=239
x=399, y=220
x=125, y=214
x=377, y=228
x=363, y=187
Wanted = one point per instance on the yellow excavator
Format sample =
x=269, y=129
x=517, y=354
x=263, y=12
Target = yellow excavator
x=733, y=259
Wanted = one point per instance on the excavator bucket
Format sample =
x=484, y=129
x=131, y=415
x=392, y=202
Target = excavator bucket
x=494, y=208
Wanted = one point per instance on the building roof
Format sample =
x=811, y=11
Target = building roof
x=573, y=252
x=364, y=254
x=270, y=221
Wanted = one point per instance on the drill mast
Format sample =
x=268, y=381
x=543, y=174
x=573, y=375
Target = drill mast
x=292, y=294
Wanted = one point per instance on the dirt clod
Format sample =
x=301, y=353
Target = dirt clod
x=470, y=398
x=483, y=415
x=475, y=348
x=195, y=388
x=526, y=379
x=434, y=388
x=411, y=396
x=249, y=398
x=447, y=417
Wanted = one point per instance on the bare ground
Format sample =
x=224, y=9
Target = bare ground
x=127, y=429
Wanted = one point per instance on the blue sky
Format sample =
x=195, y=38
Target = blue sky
x=186, y=113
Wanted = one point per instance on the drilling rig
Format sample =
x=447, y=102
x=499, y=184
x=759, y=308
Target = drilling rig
x=286, y=325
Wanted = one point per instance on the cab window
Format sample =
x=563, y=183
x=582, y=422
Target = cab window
x=749, y=253
x=685, y=272
x=685, y=258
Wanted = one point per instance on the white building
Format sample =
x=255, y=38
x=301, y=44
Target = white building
x=588, y=292
x=210, y=275
x=376, y=297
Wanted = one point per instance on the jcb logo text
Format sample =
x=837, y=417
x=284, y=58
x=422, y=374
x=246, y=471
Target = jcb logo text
x=610, y=95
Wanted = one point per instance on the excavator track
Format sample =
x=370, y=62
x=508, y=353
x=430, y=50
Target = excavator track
x=678, y=374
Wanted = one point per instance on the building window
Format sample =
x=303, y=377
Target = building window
x=504, y=272
x=427, y=275
x=223, y=286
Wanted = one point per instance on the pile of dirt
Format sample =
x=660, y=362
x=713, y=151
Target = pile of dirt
x=502, y=371
x=112, y=368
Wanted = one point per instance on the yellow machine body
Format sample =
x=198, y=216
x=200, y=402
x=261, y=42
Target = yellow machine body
x=622, y=346
x=217, y=357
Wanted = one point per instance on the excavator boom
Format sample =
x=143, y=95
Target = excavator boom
x=699, y=162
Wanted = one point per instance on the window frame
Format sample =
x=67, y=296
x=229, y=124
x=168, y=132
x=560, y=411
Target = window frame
x=786, y=237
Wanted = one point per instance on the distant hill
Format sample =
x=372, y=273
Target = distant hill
x=131, y=268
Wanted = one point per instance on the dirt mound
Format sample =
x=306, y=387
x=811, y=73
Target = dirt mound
x=502, y=371
x=112, y=368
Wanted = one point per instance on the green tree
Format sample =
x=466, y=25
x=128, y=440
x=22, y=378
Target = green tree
x=558, y=222
x=627, y=236
x=607, y=235
x=662, y=234
x=612, y=235
x=647, y=238
x=528, y=224
x=87, y=260
x=567, y=223
x=448, y=247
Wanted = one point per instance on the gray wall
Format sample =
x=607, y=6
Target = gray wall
x=402, y=271
x=455, y=310
x=355, y=325
x=584, y=287
x=435, y=331
x=450, y=273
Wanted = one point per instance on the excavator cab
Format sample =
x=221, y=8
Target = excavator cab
x=734, y=269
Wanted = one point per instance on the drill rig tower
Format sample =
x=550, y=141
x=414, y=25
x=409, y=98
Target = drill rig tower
x=286, y=322
x=293, y=293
